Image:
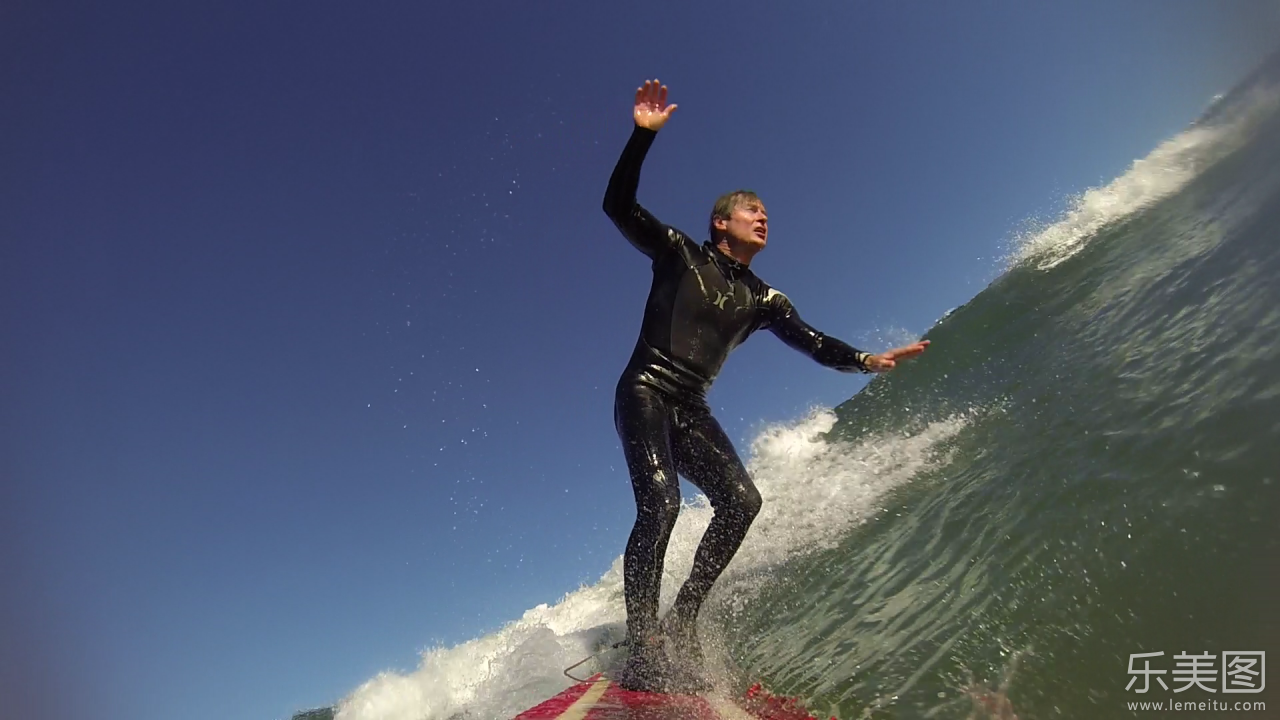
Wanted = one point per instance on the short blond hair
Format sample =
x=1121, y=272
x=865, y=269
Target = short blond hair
x=726, y=204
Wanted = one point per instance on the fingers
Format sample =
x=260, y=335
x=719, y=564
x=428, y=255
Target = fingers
x=888, y=360
x=647, y=94
x=908, y=351
x=653, y=94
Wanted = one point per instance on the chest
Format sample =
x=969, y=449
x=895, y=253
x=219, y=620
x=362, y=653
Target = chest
x=710, y=297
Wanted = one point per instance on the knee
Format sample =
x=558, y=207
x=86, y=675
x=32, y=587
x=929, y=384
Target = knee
x=745, y=502
x=659, y=511
x=667, y=510
x=751, y=502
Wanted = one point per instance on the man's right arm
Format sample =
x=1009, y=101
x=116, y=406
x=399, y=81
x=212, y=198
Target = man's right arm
x=637, y=224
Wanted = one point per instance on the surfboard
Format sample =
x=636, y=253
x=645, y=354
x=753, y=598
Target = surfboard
x=598, y=698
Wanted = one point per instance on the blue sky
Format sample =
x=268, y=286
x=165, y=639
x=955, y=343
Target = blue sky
x=311, y=318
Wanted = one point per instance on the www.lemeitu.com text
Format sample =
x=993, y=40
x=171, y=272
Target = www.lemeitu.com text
x=1206, y=705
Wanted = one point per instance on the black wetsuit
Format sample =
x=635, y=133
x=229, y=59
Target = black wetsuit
x=702, y=304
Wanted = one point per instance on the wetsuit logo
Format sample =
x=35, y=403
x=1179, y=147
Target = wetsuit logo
x=720, y=298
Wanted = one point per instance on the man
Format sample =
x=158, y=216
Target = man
x=704, y=301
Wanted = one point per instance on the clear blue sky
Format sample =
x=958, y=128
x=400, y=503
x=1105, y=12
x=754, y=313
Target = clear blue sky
x=310, y=319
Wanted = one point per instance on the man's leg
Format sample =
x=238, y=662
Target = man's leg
x=705, y=456
x=643, y=422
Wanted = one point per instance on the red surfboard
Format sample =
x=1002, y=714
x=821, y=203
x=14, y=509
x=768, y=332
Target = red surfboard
x=599, y=699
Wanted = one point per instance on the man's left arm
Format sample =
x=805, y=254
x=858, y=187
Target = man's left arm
x=783, y=320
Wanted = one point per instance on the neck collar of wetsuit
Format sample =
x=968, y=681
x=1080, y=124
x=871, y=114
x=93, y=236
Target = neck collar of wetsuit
x=729, y=265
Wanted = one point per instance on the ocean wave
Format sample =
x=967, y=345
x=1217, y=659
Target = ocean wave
x=1166, y=170
x=815, y=492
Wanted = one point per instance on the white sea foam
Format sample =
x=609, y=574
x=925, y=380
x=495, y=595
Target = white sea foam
x=815, y=492
x=1168, y=169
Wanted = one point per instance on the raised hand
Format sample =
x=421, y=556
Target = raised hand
x=888, y=359
x=652, y=109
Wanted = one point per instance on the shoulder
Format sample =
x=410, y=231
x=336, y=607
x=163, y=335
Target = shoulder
x=772, y=302
x=686, y=248
x=764, y=292
x=678, y=239
x=775, y=297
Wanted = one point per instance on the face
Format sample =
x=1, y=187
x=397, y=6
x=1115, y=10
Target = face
x=748, y=225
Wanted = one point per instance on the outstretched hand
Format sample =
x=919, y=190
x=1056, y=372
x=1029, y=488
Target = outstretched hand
x=888, y=360
x=652, y=110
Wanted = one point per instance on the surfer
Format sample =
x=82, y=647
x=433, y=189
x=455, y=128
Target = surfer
x=704, y=301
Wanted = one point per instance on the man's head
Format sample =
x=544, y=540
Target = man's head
x=738, y=219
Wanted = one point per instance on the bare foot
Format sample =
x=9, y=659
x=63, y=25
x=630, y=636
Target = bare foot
x=989, y=704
